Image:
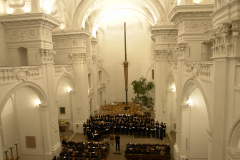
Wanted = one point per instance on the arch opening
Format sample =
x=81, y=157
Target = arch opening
x=21, y=118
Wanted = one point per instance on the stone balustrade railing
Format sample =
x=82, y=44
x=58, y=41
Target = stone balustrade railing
x=199, y=69
x=59, y=69
x=20, y=73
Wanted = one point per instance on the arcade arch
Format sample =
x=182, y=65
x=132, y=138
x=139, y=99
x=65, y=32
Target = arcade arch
x=22, y=107
x=195, y=121
x=64, y=100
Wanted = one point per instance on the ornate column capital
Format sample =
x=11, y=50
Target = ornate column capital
x=160, y=55
x=79, y=58
x=180, y=50
x=47, y=56
x=43, y=107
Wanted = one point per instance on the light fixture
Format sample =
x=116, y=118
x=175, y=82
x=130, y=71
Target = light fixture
x=38, y=102
x=10, y=11
x=189, y=102
x=69, y=89
x=27, y=10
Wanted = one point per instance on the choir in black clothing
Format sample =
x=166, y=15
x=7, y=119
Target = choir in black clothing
x=140, y=125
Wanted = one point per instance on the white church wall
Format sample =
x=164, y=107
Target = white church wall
x=29, y=122
x=4, y=59
x=139, y=57
x=63, y=100
x=10, y=128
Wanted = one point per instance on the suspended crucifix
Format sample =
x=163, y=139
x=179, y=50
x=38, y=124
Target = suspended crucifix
x=125, y=64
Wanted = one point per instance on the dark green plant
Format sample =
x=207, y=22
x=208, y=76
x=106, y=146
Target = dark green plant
x=142, y=90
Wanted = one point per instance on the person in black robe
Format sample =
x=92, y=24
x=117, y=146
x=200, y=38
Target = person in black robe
x=164, y=129
x=157, y=131
x=117, y=139
x=161, y=133
x=130, y=129
x=84, y=128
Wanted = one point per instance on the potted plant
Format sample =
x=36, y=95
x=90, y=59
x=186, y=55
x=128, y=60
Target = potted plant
x=142, y=90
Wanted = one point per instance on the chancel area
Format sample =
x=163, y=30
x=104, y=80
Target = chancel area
x=119, y=79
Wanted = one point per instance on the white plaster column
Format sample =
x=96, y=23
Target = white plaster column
x=47, y=57
x=46, y=128
x=1, y=145
x=81, y=112
x=160, y=68
x=164, y=42
x=75, y=48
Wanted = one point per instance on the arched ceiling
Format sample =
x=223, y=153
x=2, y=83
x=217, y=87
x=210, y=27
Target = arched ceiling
x=102, y=8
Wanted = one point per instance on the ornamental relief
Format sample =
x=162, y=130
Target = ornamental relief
x=197, y=26
x=69, y=43
x=23, y=34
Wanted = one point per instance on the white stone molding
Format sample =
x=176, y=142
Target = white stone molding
x=29, y=27
x=19, y=73
x=164, y=36
x=160, y=55
x=47, y=56
x=16, y=6
x=59, y=69
x=91, y=92
x=55, y=124
x=94, y=41
x=223, y=13
x=198, y=69
x=180, y=49
x=192, y=21
x=43, y=107
x=79, y=58
x=225, y=40
x=209, y=134
x=231, y=155
x=101, y=87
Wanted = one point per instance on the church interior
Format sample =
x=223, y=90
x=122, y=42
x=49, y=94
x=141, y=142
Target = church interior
x=70, y=70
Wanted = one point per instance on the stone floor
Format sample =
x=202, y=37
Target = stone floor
x=123, y=141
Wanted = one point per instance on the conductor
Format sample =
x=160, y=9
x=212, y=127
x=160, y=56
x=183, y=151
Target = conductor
x=117, y=138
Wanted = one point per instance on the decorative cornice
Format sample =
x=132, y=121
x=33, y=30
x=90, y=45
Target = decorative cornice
x=223, y=12
x=47, y=55
x=190, y=12
x=79, y=57
x=30, y=20
x=161, y=54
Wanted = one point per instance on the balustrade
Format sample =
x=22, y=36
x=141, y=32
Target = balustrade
x=201, y=69
x=19, y=73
